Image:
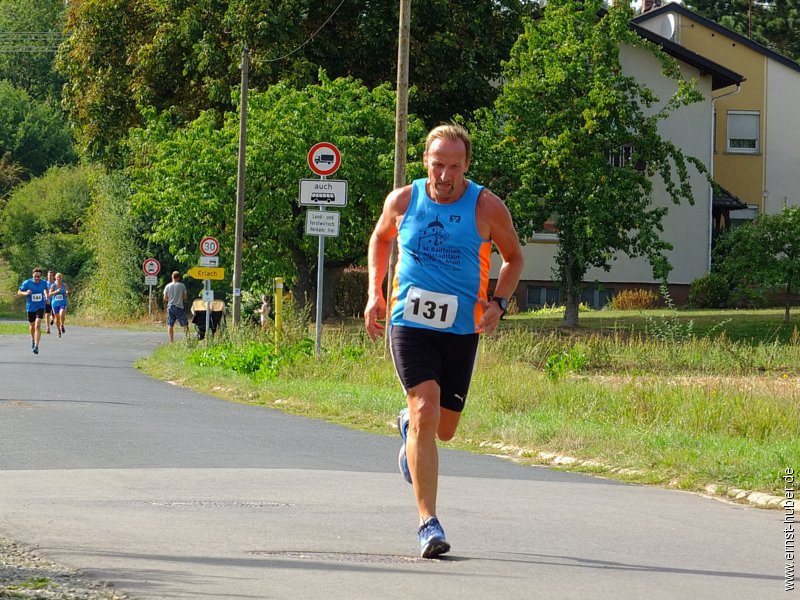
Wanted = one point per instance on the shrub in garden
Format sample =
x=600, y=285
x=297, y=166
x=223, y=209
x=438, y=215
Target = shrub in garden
x=350, y=296
x=709, y=291
x=633, y=300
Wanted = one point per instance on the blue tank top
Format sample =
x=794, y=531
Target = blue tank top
x=443, y=264
x=59, y=297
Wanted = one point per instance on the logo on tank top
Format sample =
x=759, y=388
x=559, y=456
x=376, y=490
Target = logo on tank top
x=432, y=247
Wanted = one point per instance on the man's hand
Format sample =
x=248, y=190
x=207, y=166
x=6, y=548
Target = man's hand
x=373, y=313
x=491, y=316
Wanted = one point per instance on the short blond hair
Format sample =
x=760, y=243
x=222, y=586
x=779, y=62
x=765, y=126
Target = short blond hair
x=450, y=131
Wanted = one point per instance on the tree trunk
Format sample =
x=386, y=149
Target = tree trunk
x=571, y=311
x=788, y=301
x=572, y=301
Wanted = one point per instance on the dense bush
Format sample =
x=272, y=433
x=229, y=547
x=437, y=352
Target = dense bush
x=43, y=224
x=116, y=289
x=633, y=300
x=709, y=291
x=745, y=296
x=350, y=296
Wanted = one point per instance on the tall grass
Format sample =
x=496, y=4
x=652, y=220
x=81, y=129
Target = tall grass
x=689, y=412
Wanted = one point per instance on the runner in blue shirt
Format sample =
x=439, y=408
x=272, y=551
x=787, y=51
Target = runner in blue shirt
x=58, y=299
x=34, y=290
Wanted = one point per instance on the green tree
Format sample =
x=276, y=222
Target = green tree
x=97, y=61
x=33, y=134
x=185, y=179
x=115, y=238
x=765, y=252
x=42, y=224
x=27, y=25
x=125, y=57
x=565, y=109
x=457, y=48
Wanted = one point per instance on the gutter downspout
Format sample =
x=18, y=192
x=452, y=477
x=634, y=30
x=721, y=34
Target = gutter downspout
x=711, y=170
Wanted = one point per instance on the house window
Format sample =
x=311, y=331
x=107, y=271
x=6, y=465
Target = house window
x=539, y=296
x=596, y=298
x=548, y=232
x=621, y=157
x=743, y=131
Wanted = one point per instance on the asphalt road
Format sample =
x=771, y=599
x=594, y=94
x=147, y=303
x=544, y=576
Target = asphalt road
x=167, y=493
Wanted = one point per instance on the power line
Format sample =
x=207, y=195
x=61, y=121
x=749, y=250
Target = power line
x=30, y=41
x=310, y=38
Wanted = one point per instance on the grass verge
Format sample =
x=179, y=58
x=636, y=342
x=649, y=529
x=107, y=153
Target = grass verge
x=685, y=412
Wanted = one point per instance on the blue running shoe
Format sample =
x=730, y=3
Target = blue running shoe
x=431, y=539
x=33, y=344
x=402, y=461
x=36, y=349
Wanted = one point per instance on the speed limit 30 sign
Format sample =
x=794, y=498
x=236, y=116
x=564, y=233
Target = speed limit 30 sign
x=209, y=246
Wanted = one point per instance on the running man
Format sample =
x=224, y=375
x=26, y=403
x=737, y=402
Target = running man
x=174, y=295
x=34, y=290
x=445, y=226
x=48, y=309
x=58, y=300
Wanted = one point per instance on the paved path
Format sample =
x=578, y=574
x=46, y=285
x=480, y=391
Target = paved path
x=167, y=493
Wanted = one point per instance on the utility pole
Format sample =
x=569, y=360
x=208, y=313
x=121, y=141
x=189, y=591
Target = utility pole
x=400, y=133
x=237, y=250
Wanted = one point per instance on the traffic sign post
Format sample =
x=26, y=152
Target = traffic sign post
x=323, y=192
x=208, y=270
x=151, y=268
x=209, y=246
x=324, y=159
x=206, y=273
x=322, y=223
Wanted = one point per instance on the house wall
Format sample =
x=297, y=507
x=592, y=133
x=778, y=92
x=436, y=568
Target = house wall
x=782, y=179
x=686, y=227
x=742, y=174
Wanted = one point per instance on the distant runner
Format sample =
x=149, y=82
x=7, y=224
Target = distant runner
x=58, y=300
x=34, y=290
x=48, y=309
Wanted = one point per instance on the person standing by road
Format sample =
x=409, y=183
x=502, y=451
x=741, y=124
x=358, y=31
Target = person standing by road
x=58, y=301
x=264, y=311
x=445, y=226
x=34, y=290
x=174, y=295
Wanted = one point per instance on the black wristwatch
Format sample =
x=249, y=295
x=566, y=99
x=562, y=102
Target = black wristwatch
x=502, y=303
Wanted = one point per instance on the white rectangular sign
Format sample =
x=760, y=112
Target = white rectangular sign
x=322, y=222
x=151, y=279
x=209, y=261
x=208, y=295
x=323, y=192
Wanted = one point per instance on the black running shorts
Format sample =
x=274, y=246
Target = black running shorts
x=447, y=358
x=36, y=314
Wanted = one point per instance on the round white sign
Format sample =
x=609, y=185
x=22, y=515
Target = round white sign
x=324, y=159
x=151, y=267
x=209, y=246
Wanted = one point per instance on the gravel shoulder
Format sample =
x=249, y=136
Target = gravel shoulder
x=24, y=574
